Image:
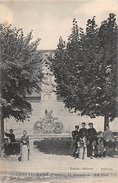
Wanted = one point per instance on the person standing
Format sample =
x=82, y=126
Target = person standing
x=75, y=135
x=25, y=147
x=108, y=135
x=100, y=145
x=92, y=140
x=83, y=141
x=109, y=140
x=83, y=131
x=10, y=135
x=11, y=145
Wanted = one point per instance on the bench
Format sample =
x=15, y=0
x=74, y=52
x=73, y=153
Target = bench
x=11, y=148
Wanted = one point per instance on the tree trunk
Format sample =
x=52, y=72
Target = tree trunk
x=1, y=114
x=1, y=135
x=106, y=120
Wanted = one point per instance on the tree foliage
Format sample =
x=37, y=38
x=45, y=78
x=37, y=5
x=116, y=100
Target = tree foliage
x=85, y=69
x=21, y=71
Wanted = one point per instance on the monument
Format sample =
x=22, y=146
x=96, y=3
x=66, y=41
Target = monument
x=48, y=115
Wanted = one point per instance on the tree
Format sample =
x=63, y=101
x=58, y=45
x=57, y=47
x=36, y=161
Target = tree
x=86, y=69
x=21, y=72
x=108, y=43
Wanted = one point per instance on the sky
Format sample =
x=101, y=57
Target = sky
x=51, y=19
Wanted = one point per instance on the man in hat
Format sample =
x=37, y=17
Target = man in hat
x=83, y=141
x=92, y=138
x=75, y=135
x=83, y=131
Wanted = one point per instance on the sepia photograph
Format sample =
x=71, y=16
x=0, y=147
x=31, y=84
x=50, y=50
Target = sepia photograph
x=59, y=91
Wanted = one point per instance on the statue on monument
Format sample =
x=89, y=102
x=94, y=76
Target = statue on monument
x=48, y=124
x=48, y=85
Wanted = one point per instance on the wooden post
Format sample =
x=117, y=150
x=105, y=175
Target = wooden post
x=31, y=144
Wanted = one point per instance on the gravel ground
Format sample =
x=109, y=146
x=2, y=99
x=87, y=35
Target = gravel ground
x=51, y=163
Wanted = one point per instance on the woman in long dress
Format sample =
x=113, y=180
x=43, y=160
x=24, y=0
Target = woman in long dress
x=25, y=147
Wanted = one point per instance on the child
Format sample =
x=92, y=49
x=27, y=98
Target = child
x=25, y=147
x=100, y=145
x=75, y=135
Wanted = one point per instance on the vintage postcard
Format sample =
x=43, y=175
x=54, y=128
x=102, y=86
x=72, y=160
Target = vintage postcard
x=59, y=115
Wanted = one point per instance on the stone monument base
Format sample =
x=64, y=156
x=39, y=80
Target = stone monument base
x=39, y=137
x=45, y=136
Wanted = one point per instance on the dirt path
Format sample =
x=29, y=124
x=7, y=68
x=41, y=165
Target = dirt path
x=40, y=162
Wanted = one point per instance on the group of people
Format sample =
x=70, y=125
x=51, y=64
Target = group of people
x=85, y=142
x=89, y=143
x=24, y=144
